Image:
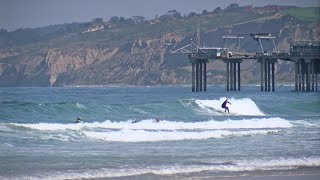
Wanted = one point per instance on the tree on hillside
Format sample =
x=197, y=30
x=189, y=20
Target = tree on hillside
x=3, y=31
x=218, y=9
x=122, y=19
x=175, y=14
x=204, y=12
x=114, y=20
x=165, y=18
x=232, y=6
x=97, y=20
x=138, y=19
x=192, y=14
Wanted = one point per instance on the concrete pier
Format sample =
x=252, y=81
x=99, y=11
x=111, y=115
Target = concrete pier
x=306, y=71
x=307, y=66
x=233, y=74
x=199, y=75
x=267, y=73
x=306, y=58
x=193, y=77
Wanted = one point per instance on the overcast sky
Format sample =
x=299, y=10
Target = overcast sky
x=16, y=14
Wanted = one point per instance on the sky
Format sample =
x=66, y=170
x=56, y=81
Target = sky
x=15, y=14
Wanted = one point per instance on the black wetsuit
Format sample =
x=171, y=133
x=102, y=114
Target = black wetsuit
x=224, y=105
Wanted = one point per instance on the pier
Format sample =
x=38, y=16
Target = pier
x=199, y=72
x=306, y=58
x=267, y=72
x=307, y=66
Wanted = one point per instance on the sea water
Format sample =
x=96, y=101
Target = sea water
x=266, y=133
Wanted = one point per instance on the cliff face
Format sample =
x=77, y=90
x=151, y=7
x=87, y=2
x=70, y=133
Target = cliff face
x=135, y=63
x=63, y=61
x=143, y=61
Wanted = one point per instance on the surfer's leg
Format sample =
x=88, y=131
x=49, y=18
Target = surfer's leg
x=227, y=109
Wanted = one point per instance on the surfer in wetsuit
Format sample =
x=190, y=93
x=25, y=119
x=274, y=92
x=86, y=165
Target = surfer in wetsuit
x=224, y=105
x=135, y=121
x=78, y=120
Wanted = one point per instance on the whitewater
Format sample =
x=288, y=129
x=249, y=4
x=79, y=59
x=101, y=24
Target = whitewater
x=119, y=136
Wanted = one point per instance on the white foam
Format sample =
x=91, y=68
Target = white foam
x=293, y=162
x=306, y=123
x=243, y=106
x=273, y=164
x=127, y=135
x=80, y=106
x=253, y=123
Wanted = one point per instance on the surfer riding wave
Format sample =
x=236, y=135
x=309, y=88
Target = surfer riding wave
x=224, y=105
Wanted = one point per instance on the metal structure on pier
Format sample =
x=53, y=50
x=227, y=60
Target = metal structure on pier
x=198, y=57
x=306, y=57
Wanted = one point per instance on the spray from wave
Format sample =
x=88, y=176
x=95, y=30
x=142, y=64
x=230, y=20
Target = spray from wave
x=243, y=106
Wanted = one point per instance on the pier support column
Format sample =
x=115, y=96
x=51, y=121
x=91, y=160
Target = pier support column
x=312, y=74
x=235, y=76
x=238, y=76
x=261, y=76
x=265, y=76
x=296, y=76
x=303, y=81
x=308, y=76
x=193, y=78
x=299, y=75
x=268, y=76
x=231, y=78
x=205, y=76
x=197, y=77
x=228, y=73
x=316, y=82
x=200, y=76
x=272, y=72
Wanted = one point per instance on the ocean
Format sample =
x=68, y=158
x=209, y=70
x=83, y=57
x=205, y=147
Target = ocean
x=265, y=134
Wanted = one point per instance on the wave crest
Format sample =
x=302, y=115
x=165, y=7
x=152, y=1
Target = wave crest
x=149, y=124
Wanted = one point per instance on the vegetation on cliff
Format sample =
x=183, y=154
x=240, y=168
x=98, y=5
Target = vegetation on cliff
x=136, y=51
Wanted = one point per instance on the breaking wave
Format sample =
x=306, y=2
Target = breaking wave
x=127, y=135
x=244, y=106
x=149, y=124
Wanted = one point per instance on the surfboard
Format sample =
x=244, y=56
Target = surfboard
x=222, y=111
x=229, y=114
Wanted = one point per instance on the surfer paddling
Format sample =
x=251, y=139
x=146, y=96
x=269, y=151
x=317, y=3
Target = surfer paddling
x=224, y=105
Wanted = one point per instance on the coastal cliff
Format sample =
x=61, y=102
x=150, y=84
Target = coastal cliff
x=129, y=56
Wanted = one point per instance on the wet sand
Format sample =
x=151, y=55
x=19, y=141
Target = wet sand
x=289, y=177
x=276, y=177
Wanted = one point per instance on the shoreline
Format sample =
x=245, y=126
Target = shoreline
x=248, y=177
x=271, y=177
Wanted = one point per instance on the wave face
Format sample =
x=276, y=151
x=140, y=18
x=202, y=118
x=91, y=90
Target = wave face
x=244, y=106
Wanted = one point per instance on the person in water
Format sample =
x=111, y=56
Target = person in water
x=224, y=105
x=78, y=120
x=135, y=121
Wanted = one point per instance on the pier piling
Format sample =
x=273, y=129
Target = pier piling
x=233, y=74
